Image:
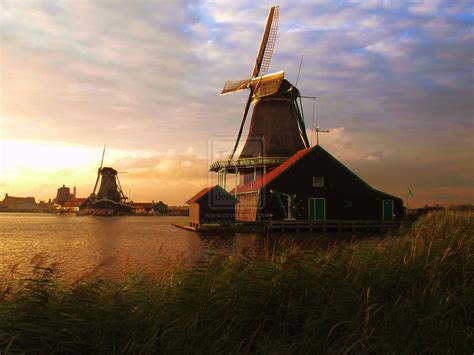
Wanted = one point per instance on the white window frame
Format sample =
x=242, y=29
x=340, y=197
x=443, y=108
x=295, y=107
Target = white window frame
x=318, y=185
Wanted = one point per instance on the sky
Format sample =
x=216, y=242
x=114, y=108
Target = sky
x=394, y=82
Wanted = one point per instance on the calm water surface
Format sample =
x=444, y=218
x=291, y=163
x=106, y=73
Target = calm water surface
x=115, y=245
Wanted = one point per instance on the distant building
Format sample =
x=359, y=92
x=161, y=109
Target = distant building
x=43, y=206
x=72, y=205
x=149, y=207
x=27, y=204
x=141, y=207
x=160, y=207
x=177, y=210
x=212, y=205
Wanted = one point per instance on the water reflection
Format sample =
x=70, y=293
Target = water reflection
x=78, y=245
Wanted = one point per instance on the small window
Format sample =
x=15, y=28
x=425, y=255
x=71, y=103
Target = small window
x=348, y=203
x=318, y=181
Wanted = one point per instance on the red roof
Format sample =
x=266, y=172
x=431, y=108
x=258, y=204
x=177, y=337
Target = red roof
x=200, y=194
x=265, y=179
x=74, y=202
x=141, y=204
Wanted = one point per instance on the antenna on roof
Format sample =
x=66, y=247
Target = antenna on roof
x=317, y=133
x=299, y=70
x=317, y=129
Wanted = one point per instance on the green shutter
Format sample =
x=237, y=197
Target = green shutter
x=317, y=209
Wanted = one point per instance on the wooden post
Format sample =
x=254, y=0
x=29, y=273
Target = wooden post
x=236, y=181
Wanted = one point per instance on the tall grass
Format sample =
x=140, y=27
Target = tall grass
x=410, y=293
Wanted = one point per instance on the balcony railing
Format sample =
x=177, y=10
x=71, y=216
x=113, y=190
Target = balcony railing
x=254, y=162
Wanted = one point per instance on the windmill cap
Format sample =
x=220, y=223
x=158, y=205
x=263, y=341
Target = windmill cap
x=287, y=89
x=108, y=171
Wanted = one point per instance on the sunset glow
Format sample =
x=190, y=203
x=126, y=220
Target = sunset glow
x=393, y=79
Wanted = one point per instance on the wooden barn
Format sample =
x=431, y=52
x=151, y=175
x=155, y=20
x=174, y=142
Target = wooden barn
x=212, y=205
x=313, y=185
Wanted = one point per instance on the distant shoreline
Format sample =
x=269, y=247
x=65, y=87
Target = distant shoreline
x=74, y=213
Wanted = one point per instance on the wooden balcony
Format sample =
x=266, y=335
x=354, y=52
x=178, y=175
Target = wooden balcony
x=231, y=166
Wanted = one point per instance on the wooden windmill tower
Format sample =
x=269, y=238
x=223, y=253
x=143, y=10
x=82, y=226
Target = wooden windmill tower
x=110, y=187
x=277, y=129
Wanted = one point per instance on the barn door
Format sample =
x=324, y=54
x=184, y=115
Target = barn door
x=387, y=210
x=317, y=209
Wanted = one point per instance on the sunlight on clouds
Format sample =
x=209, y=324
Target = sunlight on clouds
x=37, y=168
x=146, y=75
x=33, y=166
x=41, y=156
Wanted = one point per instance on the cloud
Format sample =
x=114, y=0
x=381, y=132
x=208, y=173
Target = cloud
x=424, y=7
x=387, y=48
x=146, y=76
x=349, y=147
x=171, y=176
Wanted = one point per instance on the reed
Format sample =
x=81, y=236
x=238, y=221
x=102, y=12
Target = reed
x=412, y=292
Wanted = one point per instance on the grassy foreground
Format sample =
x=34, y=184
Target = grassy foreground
x=411, y=293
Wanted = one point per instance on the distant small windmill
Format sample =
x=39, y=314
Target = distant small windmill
x=110, y=187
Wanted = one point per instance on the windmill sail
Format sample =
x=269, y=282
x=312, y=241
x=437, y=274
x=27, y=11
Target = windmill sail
x=269, y=43
x=235, y=85
x=261, y=85
x=266, y=85
x=262, y=61
x=277, y=126
x=98, y=171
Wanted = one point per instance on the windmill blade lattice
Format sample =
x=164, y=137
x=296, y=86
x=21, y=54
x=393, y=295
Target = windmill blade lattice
x=235, y=85
x=270, y=45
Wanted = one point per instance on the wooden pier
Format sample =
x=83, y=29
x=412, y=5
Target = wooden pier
x=330, y=225
x=297, y=226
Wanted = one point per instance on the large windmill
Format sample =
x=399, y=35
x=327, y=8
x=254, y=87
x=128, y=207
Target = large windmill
x=277, y=128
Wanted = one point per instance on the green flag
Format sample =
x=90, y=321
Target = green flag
x=410, y=193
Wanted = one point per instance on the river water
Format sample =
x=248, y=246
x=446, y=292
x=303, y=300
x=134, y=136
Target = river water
x=114, y=246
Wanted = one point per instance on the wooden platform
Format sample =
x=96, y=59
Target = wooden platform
x=296, y=226
x=330, y=225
